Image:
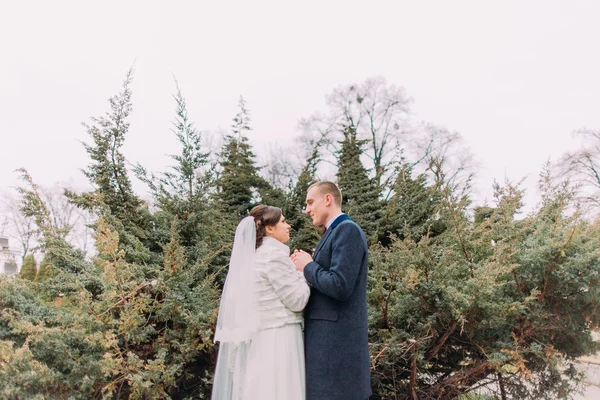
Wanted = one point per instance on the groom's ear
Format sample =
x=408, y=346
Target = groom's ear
x=328, y=199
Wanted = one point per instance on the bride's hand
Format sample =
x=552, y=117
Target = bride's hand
x=300, y=259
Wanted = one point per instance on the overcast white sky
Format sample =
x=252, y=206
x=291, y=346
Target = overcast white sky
x=515, y=78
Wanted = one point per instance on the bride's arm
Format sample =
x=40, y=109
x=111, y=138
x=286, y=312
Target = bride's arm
x=289, y=285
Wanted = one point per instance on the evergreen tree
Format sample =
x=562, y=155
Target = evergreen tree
x=270, y=195
x=43, y=272
x=61, y=261
x=108, y=172
x=113, y=196
x=410, y=211
x=455, y=302
x=186, y=181
x=500, y=301
x=182, y=192
x=239, y=184
x=29, y=268
x=359, y=192
x=182, y=196
x=304, y=234
x=482, y=214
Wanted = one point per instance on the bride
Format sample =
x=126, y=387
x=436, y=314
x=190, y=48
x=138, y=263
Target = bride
x=261, y=353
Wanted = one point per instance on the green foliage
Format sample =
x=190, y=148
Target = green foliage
x=162, y=327
x=108, y=172
x=360, y=194
x=239, y=186
x=184, y=180
x=454, y=301
x=56, y=351
x=134, y=339
x=29, y=268
x=21, y=373
x=113, y=197
x=183, y=196
x=411, y=210
x=239, y=181
x=505, y=297
x=137, y=320
x=304, y=234
x=44, y=272
x=61, y=260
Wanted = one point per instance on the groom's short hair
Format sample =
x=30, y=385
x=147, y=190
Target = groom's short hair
x=331, y=188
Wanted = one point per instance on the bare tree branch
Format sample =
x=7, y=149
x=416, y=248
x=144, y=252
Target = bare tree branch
x=379, y=113
x=582, y=167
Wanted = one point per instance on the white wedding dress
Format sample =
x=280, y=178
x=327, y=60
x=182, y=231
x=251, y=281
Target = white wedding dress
x=261, y=356
x=275, y=368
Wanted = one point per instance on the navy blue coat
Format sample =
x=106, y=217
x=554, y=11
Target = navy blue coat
x=335, y=318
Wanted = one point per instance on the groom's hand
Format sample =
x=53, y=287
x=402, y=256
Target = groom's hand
x=300, y=259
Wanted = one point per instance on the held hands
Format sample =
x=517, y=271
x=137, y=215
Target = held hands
x=300, y=258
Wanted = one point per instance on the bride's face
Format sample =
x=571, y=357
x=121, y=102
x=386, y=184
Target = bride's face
x=280, y=231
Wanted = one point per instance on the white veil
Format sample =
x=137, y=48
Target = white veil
x=239, y=316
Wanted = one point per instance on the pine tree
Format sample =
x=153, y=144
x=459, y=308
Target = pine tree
x=113, y=196
x=359, y=192
x=270, y=195
x=186, y=180
x=61, y=259
x=239, y=183
x=304, y=234
x=29, y=268
x=501, y=300
x=182, y=195
x=410, y=212
x=43, y=272
x=108, y=172
x=182, y=192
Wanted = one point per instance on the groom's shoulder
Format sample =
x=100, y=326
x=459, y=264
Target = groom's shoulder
x=350, y=232
x=349, y=227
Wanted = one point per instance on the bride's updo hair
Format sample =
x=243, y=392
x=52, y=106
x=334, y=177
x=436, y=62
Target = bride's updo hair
x=264, y=216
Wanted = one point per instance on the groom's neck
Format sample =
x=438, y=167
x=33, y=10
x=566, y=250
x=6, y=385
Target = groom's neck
x=332, y=213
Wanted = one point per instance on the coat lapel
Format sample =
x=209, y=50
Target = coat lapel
x=335, y=223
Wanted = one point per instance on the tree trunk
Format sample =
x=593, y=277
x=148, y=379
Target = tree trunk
x=502, y=389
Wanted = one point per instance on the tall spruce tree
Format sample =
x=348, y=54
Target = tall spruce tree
x=182, y=194
x=108, y=172
x=144, y=330
x=491, y=302
x=29, y=268
x=359, y=192
x=410, y=212
x=304, y=234
x=186, y=180
x=113, y=196
x=239, y=184
x=61, y=259
x=270, y=195
x=133, y=337
x=43, y=272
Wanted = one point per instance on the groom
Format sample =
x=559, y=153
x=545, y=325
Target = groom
x=336, y=328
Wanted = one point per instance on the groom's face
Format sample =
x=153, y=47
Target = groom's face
x=316, y=206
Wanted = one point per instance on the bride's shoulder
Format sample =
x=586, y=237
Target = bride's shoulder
x=272, y=249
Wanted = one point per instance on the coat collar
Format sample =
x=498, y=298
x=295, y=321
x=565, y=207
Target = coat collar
x=335, y=223
x=274, y=243
x=328, y=224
